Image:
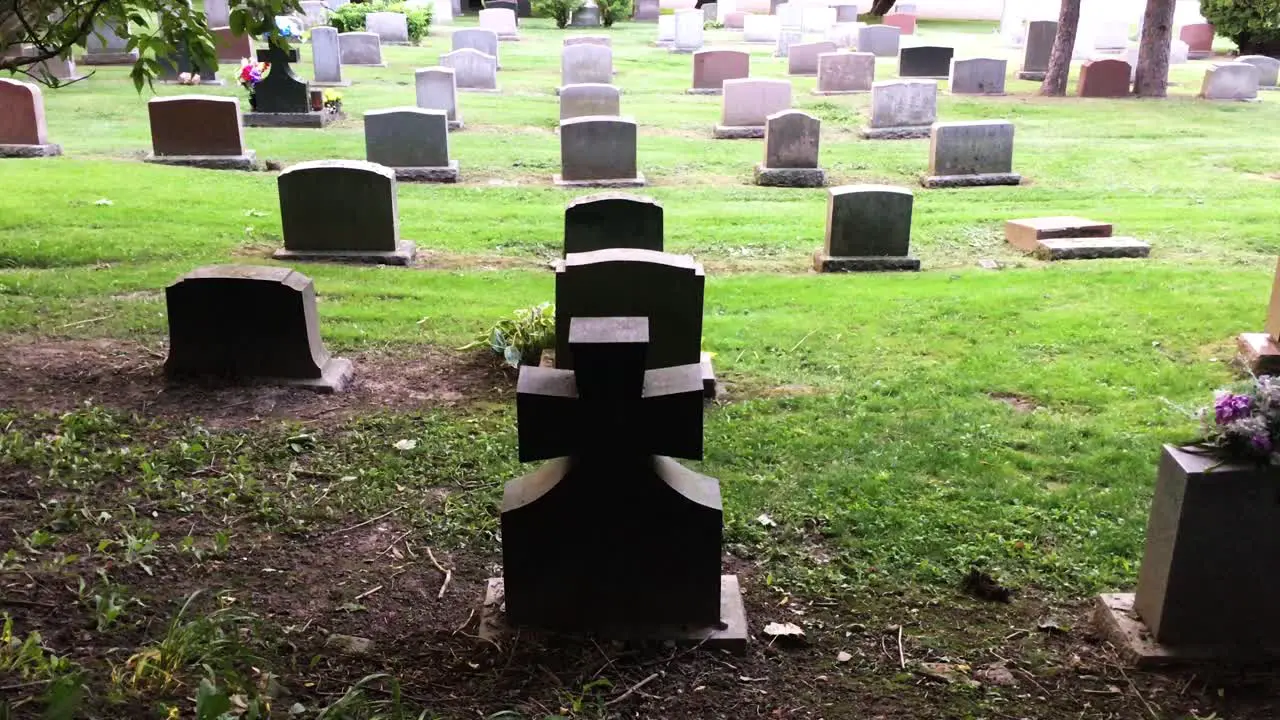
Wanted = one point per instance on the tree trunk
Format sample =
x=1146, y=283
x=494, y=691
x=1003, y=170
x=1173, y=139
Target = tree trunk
x=1152, y=79
x=1055, y=79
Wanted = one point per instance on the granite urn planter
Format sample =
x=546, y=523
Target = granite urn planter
x=1209, y=585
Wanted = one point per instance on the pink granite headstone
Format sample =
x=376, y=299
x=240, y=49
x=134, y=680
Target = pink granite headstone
x=22, y=127
x=904, y=22
x=1199, y=39
x=712, y=67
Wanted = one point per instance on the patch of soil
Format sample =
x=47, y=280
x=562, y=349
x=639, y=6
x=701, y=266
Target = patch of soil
x=58, y=375
x=1021, y=403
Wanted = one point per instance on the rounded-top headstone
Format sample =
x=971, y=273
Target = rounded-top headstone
x=21, y=114
x=195, y=125
x=868, y=221
x=339, y=205
x=612, y=220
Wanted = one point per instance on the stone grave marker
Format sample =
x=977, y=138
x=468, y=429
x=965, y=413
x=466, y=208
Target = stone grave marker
x=1035, y=56
x=709, y=12
x=817, y=18
x=22, y=127
x=360, y=48
x=978, y=76
x=314, y=13
x=589, y=99
x=844, y=73
x=249, y=324
x=586, y=16
x=326, y=58
x=647, y=11
x=970, y=154
x=473, y=70
x=586, y=63
x=612, y=220
x=747, y=105
x=230, y=47
x=107, y=45
x=436, y=89
x=598, y=151
x=666, y=31
x=198, y=131
x=902, y=109
x=712, y=67
x=879, y=40
x=925, y=61
x=1268, y=69
x=844, y=35
x=441, y=12
x=868, y=229
x=802, y=58
x=604, y=40
x=501, y=21
x=1104, y=78
x=1070, y=238
x=905, y=23
x=846, y=13
x=787, y=38
x=412, y=141
x=1199, y=39
x=791, y=141
x=342, y=210
x=217, y=13
x=392, y=28
x=688, y=31
x=1260, y=352
x=511, y=5
x=1230, y=81
x=486, y=41
x=282, y=98
x=619, y=412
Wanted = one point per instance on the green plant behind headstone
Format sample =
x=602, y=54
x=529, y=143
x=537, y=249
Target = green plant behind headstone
x=559, y=10
x=351, y=17
x=1254, y=25
x=613, y=10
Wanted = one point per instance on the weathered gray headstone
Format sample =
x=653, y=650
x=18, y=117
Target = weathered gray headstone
x=879, y=40
x=217, y=13
x=412, y=141
x=968, y=154
x=842, y=73
x=473, y=70
x=1268, y=69
x=1035, y=57
x=501, y=21
x=326, y=58
x=647, y=10
x=844, y=35
x=360, y=48
x=709, y=12
x=1230, y=81
x=486, y=41
x=748, y=103
x=688, y=31
x=314, y=13
x=902, y=109
x=107, y=45
x=246, y=323
x=978, y=76
x=612, y=220
x=392, y=28
x=436, y=89
x=597, y=151
x=589, y=99
x=586, y=16
x=791, y=151
x=341, y=210
x=586, y=63
x=868, y=228
x=802, y=58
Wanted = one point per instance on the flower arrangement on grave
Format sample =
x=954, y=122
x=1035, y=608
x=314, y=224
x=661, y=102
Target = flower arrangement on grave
x=187, y=78
x=1245, y=426
x=332, y=100
x=251, y=73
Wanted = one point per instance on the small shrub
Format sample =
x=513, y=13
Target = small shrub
x=520, y=339
x=712, y=25
x=351, y=17
x=613, y=10
x=559, y=10
x=1254, y=25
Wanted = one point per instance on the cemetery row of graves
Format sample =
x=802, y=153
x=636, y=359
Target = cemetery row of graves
x=801, y=488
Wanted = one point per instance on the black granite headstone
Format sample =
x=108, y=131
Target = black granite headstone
x=525, y=8
x=925, y=61
x=611, y=533
x=281, y=91
x=249, y=323
x=612, y=220
x=623, y=282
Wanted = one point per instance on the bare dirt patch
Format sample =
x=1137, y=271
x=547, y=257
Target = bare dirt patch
x=58, y=375
x=1021, y=403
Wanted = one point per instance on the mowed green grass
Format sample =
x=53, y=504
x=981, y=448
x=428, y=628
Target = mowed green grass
x=867, y=407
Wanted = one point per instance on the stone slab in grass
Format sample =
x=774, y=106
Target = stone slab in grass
x=1091, y=248
x=1026, y=233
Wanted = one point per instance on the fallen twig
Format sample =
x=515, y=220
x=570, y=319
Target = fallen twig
x=902, y=658
x=1151, y=711
x=367, y=593
x=402, y=536
x=466, y=622
x=366, y=522
x=448, y=574
x=632, y=689
x=797, y=345
x=78, y=323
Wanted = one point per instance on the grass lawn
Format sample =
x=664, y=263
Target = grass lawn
x=168, y=549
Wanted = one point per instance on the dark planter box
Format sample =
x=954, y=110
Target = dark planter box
x=1210, y=576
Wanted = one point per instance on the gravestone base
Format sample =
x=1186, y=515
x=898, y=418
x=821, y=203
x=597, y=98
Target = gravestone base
x=662, y=43
x=446, y=174
x=109, y=58
x=247, y=161
x=1115, y=619
x=709, y=388
x=904, y=132
x=826, y=263
x=1091, y=248
x=790, y=177
x=704, y=91
x=730, y=635
x=509, y=38
x=1035, y=75
x=738, y=132
x=480, y=90
x=216, y=82
x=335, y=376
x=30, y=151
x=402, y=255
x=815, y=91
x=1259, y=353
x=320, y=84
x=976, y=180
x=313, y=119
x=681, y=51
x=637, y=181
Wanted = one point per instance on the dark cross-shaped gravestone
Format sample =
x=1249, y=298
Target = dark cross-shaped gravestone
x=281, y=91
x=613, y=535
